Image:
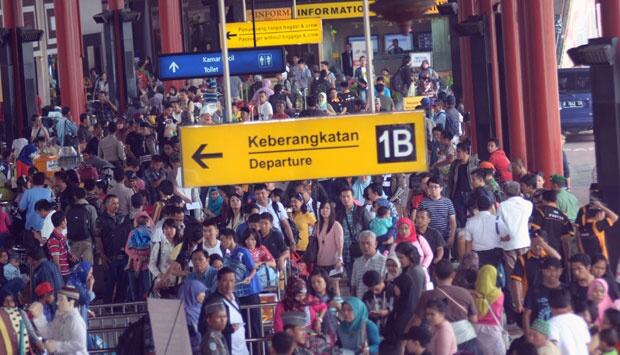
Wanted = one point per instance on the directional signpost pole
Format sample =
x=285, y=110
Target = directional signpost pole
x=225, y=64
x=369, y=54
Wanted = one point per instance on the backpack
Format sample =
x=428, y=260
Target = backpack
x=78, y=223
x=452, y=126
x=132, y=341
x=70, y=134
x=291, y=223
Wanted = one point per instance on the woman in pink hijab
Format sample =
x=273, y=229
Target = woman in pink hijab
x=266, y=88
x=406, y=233
x=598, y=292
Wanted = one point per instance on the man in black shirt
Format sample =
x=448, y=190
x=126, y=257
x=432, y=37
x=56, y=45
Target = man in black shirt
x=581, y=276
x=346, y=97
x=311, y=110
x=536, y=305
x=555, y=223
x=273, y=239
x=433, y=237
x=459, y=180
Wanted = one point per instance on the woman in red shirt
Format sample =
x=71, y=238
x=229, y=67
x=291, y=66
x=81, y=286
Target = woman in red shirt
x=260, y=253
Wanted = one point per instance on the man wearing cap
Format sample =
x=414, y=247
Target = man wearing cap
x=539, y=337
x=593, y=222
x=515, y=212
x=295, y=326
x=213, y=342
x=45, y=295
x=566, y=201
x=66, y=334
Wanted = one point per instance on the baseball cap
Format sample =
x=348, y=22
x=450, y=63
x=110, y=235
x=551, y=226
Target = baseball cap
x=558, y=179
x=130, y=175
x=486, y=165
x=541, y=326
x=43, y=289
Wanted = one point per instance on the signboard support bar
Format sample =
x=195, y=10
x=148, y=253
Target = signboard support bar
x=254, y=22
x=225, y=64
x=294, y=10
x=245, y=11
x=369, y=53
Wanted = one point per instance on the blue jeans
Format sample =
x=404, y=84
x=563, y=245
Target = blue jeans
x=139, y=285
x=116, y=276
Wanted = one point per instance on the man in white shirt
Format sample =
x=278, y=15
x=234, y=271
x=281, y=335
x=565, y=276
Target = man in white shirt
x=44, y=209
x=483, y=234
x=280, y=218
x=371, y=259
x=515, y=212
x=265, y=111
x=568, y=331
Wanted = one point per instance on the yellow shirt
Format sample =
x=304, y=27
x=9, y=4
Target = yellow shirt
x=303, y=221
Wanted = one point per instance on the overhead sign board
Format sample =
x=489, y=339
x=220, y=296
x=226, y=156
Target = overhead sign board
x=297, y=149
x=325, y=11
x=274, y=33
x=209, y=64
x=434, y=10
x=411, y=102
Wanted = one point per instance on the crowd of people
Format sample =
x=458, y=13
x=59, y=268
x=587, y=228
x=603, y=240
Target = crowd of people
x=434, y=262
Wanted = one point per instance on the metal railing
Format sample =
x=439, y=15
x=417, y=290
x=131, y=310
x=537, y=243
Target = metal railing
x=113, y=319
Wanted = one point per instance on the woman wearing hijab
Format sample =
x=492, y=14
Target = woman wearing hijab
x=192, y=293
x=266, y=88
x=324, y=105
x=82, y=279
x=407, y=234
x=489, y=301
x=598, y=292
x=356, y=332
x=392, y=267
x=408, y=288
x=297, y=299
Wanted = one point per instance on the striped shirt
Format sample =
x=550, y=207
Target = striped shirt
x=440, y=212
x=363, y=264
x=57, y=246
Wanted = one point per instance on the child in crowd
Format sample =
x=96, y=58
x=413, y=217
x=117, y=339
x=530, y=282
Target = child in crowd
x=216, y=261
x=4, y=259
x=11, y=269
x=138, y=249
x=608, y=340
x=382, y=223
x=45, y=295
x=379, y=298
x=417, y=340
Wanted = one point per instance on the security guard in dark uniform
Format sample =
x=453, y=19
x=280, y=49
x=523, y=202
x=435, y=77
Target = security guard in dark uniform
x=213, y=342
x=295, y=325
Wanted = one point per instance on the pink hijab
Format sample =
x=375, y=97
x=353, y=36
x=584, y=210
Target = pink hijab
x=605, y=304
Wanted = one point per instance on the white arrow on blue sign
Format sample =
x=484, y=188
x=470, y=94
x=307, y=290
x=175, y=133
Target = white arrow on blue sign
x=209, y=64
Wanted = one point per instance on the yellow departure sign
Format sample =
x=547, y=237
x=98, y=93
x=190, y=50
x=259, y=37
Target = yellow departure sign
x=297, y=149
x=411, y=102
x=324, y=10
x=274, y=33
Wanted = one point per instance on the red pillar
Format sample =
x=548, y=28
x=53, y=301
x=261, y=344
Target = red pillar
x=514, y=84
x=545, y=97
x=69, y=39
x=171, y=32
x=115, y=6
x=610, y=18
x=467, y=8
x=527, y=95
x=486, y=9
x=13, y=18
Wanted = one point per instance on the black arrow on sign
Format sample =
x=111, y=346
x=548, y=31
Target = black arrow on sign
x=199, y=156
x=229, y=35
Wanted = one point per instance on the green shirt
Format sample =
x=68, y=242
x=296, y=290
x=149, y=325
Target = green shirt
x=568, y=204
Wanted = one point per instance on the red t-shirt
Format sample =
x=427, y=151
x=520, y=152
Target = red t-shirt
x=57, y=246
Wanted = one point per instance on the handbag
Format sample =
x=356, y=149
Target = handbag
x=312, y=250
x=267, y=276
x=505, y=335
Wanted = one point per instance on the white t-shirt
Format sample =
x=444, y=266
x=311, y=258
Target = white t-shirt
x=515, y=212
x=570, y=332
x=265, y=111
x=482, y=230
x=48, y=226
